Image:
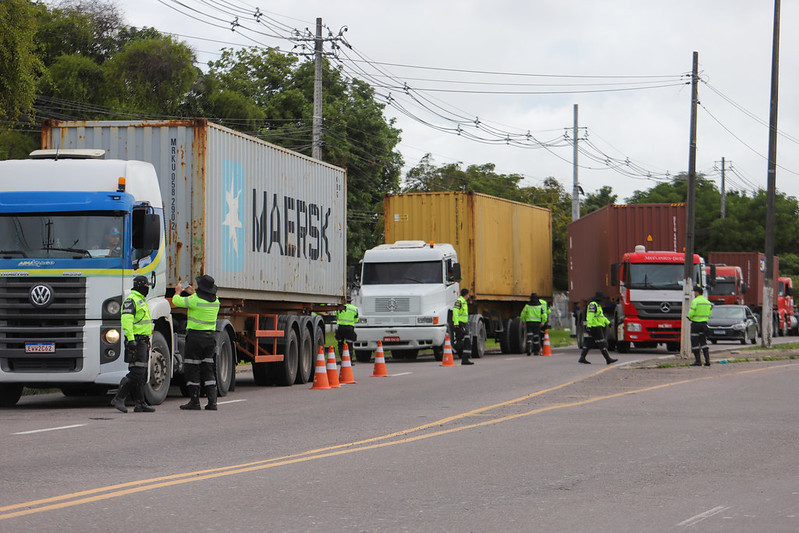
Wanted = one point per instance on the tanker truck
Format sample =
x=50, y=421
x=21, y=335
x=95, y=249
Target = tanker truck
x=186, y=198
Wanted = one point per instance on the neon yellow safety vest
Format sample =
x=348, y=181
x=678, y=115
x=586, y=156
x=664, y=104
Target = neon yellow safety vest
x=700, y=311
x=460, y=311
x=201, y=313
x=594, y=317
x=135, y=316
x=347, y=316
x=533, y=313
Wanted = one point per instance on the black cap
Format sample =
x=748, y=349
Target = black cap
x=140, y=281
x=206, y=284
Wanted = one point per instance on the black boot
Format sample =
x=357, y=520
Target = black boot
x=582, y=359
x=194, y=399
x=210, y=393
x=608, y=359
x=698, y=358
x=122, y=393
x=707, y=356
x=140, y=403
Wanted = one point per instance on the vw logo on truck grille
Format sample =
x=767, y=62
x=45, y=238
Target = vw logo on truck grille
x=665, y=307
x=41, y=295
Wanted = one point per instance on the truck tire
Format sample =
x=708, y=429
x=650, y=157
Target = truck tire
x=438, y=353
x=287, y=369
x=157, y=388
x=504, y=338
x=225, y=364
x=307, y=355
x=318, y=342
x=516, y=338
x=10, y=393
x=363, y=356
x=479, y=343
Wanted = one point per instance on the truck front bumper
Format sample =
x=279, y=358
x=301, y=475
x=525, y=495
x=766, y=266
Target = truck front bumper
x=400, y=338
x=633, y=330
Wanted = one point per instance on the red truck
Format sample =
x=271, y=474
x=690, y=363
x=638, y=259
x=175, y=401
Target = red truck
x=753, y=268
x=727, y=286
x=641, y=290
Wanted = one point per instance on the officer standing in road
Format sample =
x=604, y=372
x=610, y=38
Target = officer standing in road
x=595, y=322
x=533, y=315
x=202, y=310
x=700, y=312
x=345, y=321
x=460, y=327
x=138, y=328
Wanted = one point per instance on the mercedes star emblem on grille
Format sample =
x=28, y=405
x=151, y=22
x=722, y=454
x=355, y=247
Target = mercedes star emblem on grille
x=41, y=295
x=665, y=307
x=391, y=305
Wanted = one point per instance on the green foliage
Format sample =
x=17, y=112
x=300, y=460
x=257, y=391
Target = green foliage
x=596, y=200
x=20, y=67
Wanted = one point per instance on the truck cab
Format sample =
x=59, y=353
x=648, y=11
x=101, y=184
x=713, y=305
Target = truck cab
x=785, y=309
x=726, y=284
x=406, y=291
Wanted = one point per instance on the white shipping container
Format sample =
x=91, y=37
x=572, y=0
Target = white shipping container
x=267, y=223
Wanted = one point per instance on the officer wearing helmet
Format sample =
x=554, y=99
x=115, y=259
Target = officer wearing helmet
x=202, y=309
x=137, y=326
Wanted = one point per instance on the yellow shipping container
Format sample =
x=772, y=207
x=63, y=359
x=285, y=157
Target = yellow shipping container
x=504, y=247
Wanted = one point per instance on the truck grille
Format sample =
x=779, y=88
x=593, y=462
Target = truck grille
x=659, y=310
x=392, y=305
x=59, y=323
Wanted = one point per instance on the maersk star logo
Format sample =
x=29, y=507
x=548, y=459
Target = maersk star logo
x=232, y=210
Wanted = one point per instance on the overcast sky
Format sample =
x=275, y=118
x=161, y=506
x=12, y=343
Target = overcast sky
x=499, y=70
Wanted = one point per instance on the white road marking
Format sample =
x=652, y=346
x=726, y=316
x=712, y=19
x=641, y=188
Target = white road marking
x=701, y=516
x=47, y=429
x=230, y=401
x=403, y=374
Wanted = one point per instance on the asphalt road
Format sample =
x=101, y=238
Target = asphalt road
x=512, y=443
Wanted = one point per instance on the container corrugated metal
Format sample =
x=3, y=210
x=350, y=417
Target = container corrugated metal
x=504, y=247
x=268, y=223
x=753, y=265
x=602, y=237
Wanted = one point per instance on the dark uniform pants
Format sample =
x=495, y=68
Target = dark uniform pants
x=139, y=360
x=699, y=340
x=200, y=366
x=460, y=338
x=345, y=333
x=533, y=337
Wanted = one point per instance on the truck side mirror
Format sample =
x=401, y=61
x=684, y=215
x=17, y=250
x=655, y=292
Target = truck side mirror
x=454, y=273
x=743, y=287
x=614, y=274
x=789, y=290
x=712, y=281
x=146, y=231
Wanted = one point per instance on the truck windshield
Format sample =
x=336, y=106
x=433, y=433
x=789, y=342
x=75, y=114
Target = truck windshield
x=663, y=276
x=723, y=288
x=83, y=235
x=402, y=273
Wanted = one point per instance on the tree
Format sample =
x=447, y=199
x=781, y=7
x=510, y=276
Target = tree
x=20, y=67
x=596, y=200
x=477, y=178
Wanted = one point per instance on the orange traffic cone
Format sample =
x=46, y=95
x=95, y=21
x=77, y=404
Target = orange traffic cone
x=380, y=362
x=320, y=371
x=447, y=360
x=346, y=367
x=547, y=347
x=332, y=369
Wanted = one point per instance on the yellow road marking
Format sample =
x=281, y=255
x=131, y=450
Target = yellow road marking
x=132, y=487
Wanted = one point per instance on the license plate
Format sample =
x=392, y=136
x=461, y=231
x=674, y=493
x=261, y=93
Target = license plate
x=391, y=339
x=719, y=332
x=39, y=347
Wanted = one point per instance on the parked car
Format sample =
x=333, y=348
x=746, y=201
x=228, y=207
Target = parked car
x=732, y=323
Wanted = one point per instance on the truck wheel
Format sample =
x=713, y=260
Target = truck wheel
x=479, y=345
x=287, y=369
x=504, y=338
x=516, y=329
x=305, y=365
x=225, y=364
x=10, y=394
x=363, y=356
x=157, y=388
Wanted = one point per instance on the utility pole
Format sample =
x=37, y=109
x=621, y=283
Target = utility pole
x=316, y=142
x=723, y=192
x=688, y=271
x=771, y=189
x=576, y=186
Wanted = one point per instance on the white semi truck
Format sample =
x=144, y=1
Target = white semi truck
x=187, y=198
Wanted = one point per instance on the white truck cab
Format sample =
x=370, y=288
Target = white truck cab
x=407, y=289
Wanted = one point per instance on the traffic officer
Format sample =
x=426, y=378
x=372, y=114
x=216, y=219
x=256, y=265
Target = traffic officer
x=533, y=315
x=700, y=312
x=595, y=322
x=460, y=327
x=202, y=310
x=138, y=328
x=345, y=321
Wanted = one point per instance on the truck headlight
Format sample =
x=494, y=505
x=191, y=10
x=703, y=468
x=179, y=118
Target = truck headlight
x=111, y=336
x=634, y=327
x=362, y=321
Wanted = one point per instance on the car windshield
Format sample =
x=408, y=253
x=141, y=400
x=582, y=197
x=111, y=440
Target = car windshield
x=721, y=311
x=402, y=273
x=50, y=236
